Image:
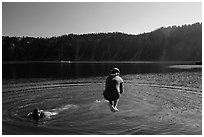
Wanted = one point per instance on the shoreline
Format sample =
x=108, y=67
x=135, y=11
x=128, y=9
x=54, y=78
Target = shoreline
x=70, y=61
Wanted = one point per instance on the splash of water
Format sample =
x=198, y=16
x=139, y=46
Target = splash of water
x=56, y=111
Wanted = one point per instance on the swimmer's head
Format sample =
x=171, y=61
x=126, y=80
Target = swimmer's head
x=36, y=110
x=115, y=71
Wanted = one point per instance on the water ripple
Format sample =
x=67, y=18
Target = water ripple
x=81, y=109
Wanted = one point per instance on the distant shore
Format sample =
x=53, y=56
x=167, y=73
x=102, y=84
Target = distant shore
x=69, y=61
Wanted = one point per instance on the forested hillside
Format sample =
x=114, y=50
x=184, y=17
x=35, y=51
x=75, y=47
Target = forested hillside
x=175, y=43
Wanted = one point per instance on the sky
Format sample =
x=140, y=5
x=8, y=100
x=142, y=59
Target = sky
x=50, y=19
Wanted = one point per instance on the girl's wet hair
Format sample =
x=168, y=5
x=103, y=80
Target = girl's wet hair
x=115, y=70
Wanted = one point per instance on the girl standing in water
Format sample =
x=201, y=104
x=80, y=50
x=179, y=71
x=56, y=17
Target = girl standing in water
x=113, y=89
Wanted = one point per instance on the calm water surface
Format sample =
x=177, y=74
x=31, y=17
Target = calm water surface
x=79, y=108
x=77, y=70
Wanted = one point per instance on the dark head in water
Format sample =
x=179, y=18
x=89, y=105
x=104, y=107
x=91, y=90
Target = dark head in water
x=36, y=114
x=36, y=110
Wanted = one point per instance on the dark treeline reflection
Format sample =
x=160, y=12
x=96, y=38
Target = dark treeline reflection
x=176, y=43
x=77, y=70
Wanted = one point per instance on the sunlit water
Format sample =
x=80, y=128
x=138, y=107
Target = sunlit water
x=81, y=109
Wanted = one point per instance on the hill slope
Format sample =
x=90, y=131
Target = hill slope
x=164, y=44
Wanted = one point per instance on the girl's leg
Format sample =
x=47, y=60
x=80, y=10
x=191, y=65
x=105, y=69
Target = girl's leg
x=110, y=102
x=115, y=104
x=111, y=106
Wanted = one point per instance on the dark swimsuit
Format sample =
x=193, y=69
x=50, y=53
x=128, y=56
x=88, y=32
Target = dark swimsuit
x=111, y=96
x=111, y=93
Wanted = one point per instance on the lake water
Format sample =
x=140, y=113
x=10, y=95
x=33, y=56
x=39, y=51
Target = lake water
x=83, y=69
x=78, y=107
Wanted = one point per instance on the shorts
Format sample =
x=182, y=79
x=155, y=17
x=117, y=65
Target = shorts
x=111, y=96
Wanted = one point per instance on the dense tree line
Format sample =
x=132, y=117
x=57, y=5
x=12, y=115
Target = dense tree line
x=175, y=43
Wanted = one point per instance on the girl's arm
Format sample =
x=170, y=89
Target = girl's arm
x=121, y=88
